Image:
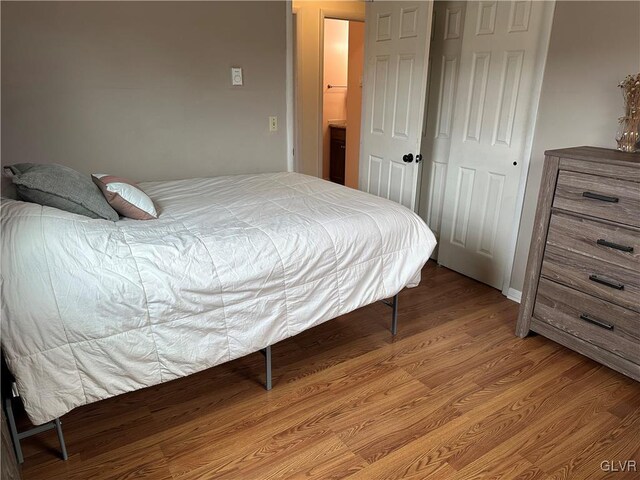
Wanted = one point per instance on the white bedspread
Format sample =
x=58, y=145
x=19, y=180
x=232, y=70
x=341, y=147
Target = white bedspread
x=93, y=308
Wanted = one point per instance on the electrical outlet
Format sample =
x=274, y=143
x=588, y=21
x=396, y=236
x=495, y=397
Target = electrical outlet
x=236, y=76
x=273, y=124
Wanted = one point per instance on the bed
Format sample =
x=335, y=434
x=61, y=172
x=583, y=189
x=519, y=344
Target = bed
x=93, y=308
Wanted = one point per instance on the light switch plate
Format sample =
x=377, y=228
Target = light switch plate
x=273, y=124
x=236, y=76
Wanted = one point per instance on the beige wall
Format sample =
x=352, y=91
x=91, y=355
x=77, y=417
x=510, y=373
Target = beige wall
x=354, y=102
x=143, y=89
x=309, y=15
x=335, y=63
x=594, y=45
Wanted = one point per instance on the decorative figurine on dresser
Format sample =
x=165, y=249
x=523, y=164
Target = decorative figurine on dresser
x=582, y=285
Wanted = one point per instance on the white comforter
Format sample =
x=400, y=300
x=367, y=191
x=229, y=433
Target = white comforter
x=93, y=308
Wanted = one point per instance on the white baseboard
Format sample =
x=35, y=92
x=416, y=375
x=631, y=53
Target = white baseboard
x=515, y=295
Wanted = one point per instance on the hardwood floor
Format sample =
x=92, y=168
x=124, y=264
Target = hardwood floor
x=454, y=395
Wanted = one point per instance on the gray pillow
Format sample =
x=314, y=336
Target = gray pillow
x=60, y=187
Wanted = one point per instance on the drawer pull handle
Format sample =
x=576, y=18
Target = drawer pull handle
x=617, y=246
x=606, y=281
x=595, y=321
x=597, y=196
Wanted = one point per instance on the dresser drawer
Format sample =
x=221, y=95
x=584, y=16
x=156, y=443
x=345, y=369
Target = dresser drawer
x=601, y=197
x=600, y=323
x=602, y=241
x=595, y=277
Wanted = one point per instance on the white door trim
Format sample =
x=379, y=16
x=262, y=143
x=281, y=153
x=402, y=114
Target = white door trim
x=289, y=86
x=545, y=38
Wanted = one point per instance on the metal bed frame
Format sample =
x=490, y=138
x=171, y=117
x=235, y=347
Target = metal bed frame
x=56, y=424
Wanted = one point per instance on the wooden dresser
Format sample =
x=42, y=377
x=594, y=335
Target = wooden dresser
x=582, y=285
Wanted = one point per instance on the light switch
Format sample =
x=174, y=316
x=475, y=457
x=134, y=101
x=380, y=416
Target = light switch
x=236, y=76
x=273, y=124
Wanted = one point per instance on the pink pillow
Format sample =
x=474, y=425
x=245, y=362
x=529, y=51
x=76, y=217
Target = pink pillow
x=125, y=197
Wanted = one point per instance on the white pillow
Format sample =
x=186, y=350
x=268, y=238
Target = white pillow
x=125, y=197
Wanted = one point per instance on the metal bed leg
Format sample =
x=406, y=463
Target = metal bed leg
x=14, y=431
x=63, y=446
x=394, y=316
x=16, y=436
x=267, y=364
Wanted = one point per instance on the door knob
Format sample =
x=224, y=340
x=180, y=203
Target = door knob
x=418, y=158
x=408, y=158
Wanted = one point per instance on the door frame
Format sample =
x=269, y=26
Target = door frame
x=328, y=13
x=545, y=39
x=290, y=92
x=302, y=14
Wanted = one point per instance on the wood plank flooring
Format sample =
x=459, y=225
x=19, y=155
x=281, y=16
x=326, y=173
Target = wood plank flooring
x=454, y=395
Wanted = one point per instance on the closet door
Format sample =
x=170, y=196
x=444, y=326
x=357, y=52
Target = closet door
x=502, y=62
x=444, y=65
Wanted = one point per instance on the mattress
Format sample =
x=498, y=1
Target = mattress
x=94, y=308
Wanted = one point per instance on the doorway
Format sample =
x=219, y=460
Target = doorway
x=342, y=61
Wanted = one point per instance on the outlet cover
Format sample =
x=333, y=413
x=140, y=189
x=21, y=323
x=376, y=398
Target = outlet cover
x=236, y=76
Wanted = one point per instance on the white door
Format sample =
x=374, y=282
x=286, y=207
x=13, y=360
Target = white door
x=498, y=90
x=396, y=47
x=444, y=65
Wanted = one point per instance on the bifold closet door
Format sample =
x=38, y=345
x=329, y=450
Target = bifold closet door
x=444, y=66
x=500, y=72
